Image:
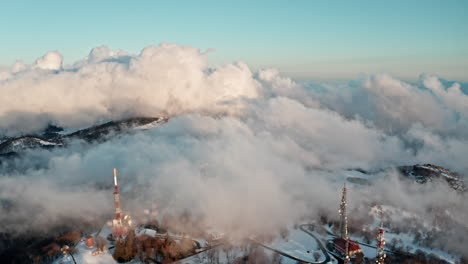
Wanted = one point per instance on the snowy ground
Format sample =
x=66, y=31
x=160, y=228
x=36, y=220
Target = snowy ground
x=298, y=244
x=219, y=253
x=295, y=243
x=405, y=241
x=83, y=255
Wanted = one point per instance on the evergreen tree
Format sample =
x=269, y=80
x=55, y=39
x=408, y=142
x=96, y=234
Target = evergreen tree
x=125, y=250
x=119, y=251
x=130, y=246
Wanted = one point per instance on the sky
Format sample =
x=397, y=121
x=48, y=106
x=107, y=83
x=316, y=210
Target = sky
x=304, y=39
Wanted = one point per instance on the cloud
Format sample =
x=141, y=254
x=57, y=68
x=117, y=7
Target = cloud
x=52, y=60
x=244, y=151
x=165, y=79
x=396, y=106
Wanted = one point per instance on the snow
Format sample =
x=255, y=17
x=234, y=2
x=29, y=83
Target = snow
x=397, y=215
x=84, y=255
x=298, y=244
x=147, y=232
x=295, y=243
x=105, y=231
x=407, y=241
x=27, y=142
x=46, y=143
x=357, y=174
x=149, y=125
x=22, y=141
x=203, y=258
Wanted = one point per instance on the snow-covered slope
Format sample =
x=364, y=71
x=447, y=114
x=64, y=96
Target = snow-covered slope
x=430, y=172
x=26, y=142
x=54, y=136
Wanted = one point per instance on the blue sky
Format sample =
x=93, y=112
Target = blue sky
x=304, y=39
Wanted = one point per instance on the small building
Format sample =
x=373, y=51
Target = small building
x=89, y=240
x=340, y=247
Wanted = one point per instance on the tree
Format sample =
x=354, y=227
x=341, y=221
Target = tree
x=213, y=255
x=130, y=246
x=125, y=250
x=284, y=232
x=228, y=251
x=276, y=258
x=119, y=251
x=100, y=243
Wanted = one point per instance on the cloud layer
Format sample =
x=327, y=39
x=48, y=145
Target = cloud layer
x=165, y=79
x=244, y=151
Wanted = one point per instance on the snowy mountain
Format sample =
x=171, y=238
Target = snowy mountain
x=26, y=142
x=420, y=173
x=101, y=132
x=429, y=172
x=54, y=136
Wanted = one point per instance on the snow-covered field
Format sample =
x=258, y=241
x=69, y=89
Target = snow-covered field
x=298, y=244
x=83, y=254
x=294, y=242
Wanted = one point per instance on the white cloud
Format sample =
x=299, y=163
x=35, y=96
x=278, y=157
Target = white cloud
x=52, y=60
x=244, y=151
x=395, y=106
x=165, y=79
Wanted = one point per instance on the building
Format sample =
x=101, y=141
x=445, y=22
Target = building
x=340, y=247
x=89, y=241
x=145, y=234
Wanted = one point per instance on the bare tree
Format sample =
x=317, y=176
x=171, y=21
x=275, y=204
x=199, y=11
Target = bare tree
x=276, y=258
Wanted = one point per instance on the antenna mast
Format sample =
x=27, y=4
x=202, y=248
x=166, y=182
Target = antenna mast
x=380, y=244
x=344, y=224
x=117, y=227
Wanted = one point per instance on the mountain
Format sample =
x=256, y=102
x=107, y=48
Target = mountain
x=100, y=132
x=52, y=136
x=420, y=173
x=429, y=172
x=26, y=142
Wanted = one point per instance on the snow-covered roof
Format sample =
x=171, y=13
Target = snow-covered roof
x=340, y=245
x=147, y=232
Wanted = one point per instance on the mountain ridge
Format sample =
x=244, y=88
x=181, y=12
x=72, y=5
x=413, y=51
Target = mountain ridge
x=51, y=137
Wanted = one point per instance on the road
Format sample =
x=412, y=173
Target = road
x=325, y=252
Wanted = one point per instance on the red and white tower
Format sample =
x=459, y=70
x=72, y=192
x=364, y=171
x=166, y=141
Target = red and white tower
x=342, y=245
x=380, y=245
x=344, y=225
x=118, y=229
